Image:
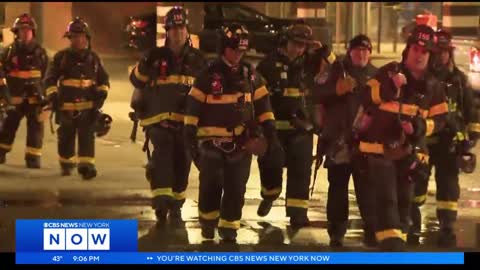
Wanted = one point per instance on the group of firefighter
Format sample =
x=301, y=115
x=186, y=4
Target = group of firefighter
x=384, y=127
x=73, y=88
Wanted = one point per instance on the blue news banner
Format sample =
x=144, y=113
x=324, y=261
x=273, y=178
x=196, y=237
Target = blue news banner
x=116, y=242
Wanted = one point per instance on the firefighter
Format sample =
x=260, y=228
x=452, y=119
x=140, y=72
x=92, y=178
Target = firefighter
x=24, y=64
x=284, y=72
x=341, y=98
x=83, y=85
x=162, y=79
x=447, y=146
x=402, y=104
x=228, y=118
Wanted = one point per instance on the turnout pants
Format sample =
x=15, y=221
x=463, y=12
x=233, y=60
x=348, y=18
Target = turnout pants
x=73, y=124
x=297, y=157
x=337, y=202
x=223, y=180
x=448, y=189
x=393, y=192
x=169, y=167
x=35, y=130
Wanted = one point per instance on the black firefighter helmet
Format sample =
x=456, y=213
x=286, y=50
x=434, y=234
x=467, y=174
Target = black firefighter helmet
x=176, y=16
x=467, y=162
x=103, y=123
x=24, y=20
x=78, y=25
x=234, y=36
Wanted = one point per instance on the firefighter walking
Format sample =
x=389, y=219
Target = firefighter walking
x=284, y=73
x=83, y=85
x=225, y=108
x=448, y=147
x=341, y=98
x=162, y=80
x=403, y=103
x=24, y=64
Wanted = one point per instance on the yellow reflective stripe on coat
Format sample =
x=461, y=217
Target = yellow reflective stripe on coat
x=438, y=109
x=373, y=148
x=423, y=113
x=176, y=79
x=297, y=203
x=265, y=116
x=218, y=131
x=197, y=94
x=32, y=100
x=25, y=74
x=190, y=120
x=178, y=195
x=474, y=127
x=33, y=151
x=260, y=92
x=162, y=192
x=375, y=91
x=331, y=58
x=210, y=215
x=430, y=127
x=50, y=90
x=5, y=146
x=270, y=192
x=394, y=107
x=160, y=117
x=20, y=100
x=292, y=92
x=138, y=75
x=447, y=205
x=77, y=106
x=391, y=233
x=229, y=224
x=420, y=199
x=103, y=87
x=228, y=98
x=90, y=160
x=16, y=100
x=77, y=83
x=71, y=160
x=283, y=125
x=424, y=158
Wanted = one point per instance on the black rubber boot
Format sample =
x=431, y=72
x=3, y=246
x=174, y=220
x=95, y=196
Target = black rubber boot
x=32, y=162
x=67, y=169
x=264, y=208
x=87, y=172
x=299, y=221
x=208, y=232
x=228, y=235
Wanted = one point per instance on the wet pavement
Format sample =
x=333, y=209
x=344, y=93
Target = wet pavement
x=121, y=192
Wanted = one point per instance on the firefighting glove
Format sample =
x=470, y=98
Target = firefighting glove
x=270, y=134
x=419, y=127
x=4, y=95
x=190, y=141
x=100, y=97
x=451, y=126
x=53, y=101
x=345, y=85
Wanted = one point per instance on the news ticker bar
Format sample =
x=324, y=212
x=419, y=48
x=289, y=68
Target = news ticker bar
x=239, y=258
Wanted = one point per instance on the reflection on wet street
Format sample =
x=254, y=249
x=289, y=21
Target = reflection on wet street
x=271, y=233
